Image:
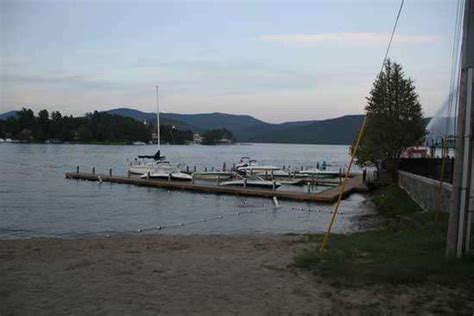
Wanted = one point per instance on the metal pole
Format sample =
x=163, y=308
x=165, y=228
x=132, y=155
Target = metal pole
x=158, y=119
x=459, y=217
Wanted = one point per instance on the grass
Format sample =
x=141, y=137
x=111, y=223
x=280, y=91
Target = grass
x=408, y=248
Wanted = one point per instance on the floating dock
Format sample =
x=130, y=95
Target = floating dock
x=354, y=184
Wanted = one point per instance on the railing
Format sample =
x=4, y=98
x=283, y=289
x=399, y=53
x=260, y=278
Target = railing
x=428, y=167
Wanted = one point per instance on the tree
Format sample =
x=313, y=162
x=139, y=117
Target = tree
x=394, y=120
x=43, y=125
x=218, y=136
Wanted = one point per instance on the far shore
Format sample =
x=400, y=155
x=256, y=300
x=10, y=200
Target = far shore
x=190, y=274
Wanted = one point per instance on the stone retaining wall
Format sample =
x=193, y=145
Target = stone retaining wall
x=425, y=192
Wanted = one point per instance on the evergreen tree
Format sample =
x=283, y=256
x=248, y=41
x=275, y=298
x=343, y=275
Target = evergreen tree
x=394, y=120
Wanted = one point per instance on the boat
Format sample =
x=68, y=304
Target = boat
x=164, y=171
x=257, y=183
x=249, y=166
x=315, y=172
x=158, y=168
x=213, y=175
x=138, y=143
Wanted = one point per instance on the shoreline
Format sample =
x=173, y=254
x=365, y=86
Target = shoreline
x=183, y=274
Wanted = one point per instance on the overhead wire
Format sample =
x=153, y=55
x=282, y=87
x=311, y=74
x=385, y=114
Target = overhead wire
x=452, y=103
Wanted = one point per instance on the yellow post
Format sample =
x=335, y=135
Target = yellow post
x=336, y=209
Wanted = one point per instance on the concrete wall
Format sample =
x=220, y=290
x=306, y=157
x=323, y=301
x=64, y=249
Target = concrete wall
x=425, y=191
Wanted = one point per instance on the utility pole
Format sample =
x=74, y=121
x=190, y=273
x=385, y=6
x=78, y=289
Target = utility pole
x=462, y=204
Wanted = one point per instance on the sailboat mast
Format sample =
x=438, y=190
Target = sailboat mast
x=158, y=119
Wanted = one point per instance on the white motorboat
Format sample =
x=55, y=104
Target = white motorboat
x=315, y=172
x=249, y=166
x=213, y=175
x=165, y=171
x=253, y=183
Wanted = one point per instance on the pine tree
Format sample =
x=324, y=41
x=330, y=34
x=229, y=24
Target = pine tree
x=394, y=120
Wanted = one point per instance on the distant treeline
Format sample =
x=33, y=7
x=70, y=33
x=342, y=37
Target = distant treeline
x=218, y=136
x=94, y=127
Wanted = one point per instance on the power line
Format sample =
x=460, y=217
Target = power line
x=391, y=36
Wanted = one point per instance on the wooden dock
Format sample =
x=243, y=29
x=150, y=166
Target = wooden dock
x=354, y=184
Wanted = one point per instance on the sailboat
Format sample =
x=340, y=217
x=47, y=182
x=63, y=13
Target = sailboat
x=159, y=168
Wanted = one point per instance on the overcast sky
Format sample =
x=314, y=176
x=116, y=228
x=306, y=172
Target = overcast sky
x=276, y=60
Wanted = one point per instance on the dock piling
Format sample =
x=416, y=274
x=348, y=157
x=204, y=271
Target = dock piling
x=93, y=170
x=110, y=172
x=218, y=180
x=77, y=169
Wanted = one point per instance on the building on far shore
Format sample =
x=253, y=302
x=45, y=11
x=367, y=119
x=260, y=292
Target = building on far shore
x=197, y=139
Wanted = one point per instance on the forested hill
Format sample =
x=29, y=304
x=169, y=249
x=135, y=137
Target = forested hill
x=246, y=128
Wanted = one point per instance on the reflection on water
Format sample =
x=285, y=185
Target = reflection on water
x=36, y=199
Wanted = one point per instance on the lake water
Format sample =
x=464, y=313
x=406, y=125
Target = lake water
x=36, y=200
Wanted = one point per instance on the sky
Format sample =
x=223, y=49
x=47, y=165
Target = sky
x=276, y=60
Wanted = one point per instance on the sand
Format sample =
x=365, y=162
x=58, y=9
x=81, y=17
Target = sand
x=159, y=274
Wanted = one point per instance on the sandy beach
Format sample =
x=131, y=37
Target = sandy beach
x=152, y=274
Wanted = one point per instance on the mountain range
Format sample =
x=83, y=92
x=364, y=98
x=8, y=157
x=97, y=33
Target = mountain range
x=246, y=128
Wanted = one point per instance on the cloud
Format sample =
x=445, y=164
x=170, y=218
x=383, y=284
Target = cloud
x=75, y=80
x=347, y=38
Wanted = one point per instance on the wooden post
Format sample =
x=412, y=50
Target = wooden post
x=148, y=174
x=77, y=169
x=218, y=180
x=93, y=170
x=309, y=188
x=110, y=171
x=273, y=185
x=245, y=183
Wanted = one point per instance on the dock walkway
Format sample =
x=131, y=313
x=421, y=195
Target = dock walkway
x=354, y=184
